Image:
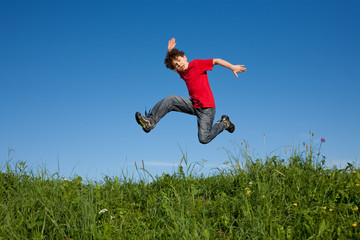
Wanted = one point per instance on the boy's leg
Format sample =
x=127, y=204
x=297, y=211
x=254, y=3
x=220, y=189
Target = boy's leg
x=168, y=104
x=206, y=130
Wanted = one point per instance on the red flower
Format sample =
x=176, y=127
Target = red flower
x=323, y=140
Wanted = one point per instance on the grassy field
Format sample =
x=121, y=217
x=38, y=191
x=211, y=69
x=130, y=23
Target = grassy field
x=290, y=197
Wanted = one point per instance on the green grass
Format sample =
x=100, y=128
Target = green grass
x=291, y=197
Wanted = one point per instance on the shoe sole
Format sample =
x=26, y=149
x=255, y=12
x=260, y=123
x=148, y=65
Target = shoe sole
x=138, y=120
x=232, y=129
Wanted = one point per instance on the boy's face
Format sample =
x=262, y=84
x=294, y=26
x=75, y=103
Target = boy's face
x=181, y=64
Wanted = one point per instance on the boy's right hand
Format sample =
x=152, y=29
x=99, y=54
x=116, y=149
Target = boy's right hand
x=171, y=44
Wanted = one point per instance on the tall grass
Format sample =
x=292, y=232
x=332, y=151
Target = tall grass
x=291, y=197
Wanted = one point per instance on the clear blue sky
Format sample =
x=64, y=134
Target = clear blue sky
x=73, y=73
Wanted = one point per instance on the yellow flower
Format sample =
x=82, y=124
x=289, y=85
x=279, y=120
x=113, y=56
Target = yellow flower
x=354, y=224
x=263, y=196
x=356, y=208
x=354, y=171
x=331, y=209
x=295, y=204
x=324, y=208
x=248, y=191
x=358, y=184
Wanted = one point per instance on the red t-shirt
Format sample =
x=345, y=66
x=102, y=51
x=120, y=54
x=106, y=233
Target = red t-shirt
x=197, y=83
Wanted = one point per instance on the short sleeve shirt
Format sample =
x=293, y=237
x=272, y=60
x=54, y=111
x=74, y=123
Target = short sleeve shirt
x=197, y=83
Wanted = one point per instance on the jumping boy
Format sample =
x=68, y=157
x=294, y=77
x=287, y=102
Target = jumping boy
x=201, y=102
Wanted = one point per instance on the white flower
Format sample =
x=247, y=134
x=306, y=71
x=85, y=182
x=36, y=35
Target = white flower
x=112, y=217
x=103, y=211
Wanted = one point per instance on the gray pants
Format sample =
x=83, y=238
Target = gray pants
x=205, y=116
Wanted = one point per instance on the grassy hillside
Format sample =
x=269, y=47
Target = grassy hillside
x=292, y=197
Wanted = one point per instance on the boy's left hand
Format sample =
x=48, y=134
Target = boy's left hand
x=238, y=68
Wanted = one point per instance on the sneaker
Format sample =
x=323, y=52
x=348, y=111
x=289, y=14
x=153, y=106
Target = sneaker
x=144, y=122
x=230, y=127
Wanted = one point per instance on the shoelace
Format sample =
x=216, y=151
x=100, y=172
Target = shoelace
x=147, y=113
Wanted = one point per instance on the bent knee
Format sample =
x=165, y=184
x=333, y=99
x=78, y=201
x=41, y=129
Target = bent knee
x=204, y=140
x=170, y=97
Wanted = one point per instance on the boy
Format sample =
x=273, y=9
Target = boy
x=201, y=102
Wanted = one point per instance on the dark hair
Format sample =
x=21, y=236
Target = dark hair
x=171, y=56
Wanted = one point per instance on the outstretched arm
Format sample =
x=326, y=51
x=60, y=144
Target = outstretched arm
x=234, y=68
x=171, y=44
